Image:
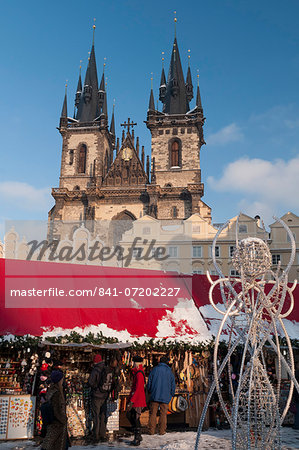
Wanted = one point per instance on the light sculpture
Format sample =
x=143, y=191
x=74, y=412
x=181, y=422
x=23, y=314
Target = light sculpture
x=254, y=305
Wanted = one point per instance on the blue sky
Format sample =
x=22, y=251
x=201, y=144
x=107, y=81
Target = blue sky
x=248, y=57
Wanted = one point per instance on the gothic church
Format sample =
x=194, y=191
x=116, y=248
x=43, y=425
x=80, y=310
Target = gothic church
x=104, y=179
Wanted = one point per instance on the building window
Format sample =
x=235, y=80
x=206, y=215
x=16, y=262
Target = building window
x=137, y=252
x=146, y=230
x=71, y=157
x=242, y=228
x=275, y=259
x=196, y=251
x=197, y=272
x=231, y=250
x=174, y=212
x=172, y=252
x=217, y=251
x=213, y=273
x=175, y=154
x=82, y=159
x=195, y=228
x=234, y=273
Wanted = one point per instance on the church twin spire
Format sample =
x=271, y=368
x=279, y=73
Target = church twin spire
x=174, y=93
x=90, y=100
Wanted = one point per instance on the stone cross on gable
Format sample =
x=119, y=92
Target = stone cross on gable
x=128, y=125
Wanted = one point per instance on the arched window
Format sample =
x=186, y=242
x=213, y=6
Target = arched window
x=82, y=159
x=174, y=212
x=175, y=154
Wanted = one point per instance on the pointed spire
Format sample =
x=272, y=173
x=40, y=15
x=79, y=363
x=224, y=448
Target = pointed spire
x=102, y=89
x=112, y=125
x=79, y=88
x=64, y=106
x=189, y=85
x=117, y=145
x=163, y=78
x=88, y=108
x=162, y=89
x=142, y=156
x=137, y=146
x=175, y=99
x=151, y=106
x=198, y=97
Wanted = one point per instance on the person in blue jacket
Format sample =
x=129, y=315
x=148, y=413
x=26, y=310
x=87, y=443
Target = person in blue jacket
x=161, y=386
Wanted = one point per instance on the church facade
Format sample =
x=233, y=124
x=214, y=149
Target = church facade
x=103, y=178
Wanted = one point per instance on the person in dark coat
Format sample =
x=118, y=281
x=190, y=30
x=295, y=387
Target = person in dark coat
x=56, y=434
x=137, y=399
x=161, y=385
x=101, y=383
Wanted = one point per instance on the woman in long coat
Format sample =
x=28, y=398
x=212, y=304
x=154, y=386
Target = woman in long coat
x=137, y=399
x=56, y=436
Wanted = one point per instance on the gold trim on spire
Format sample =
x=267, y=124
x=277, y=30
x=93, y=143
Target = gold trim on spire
x=152, y=80
x=198, y=77
x=88, y=56
x=94, y=28
x=175, y=21
x=163, y=53
x=189, y=56
x=104, y=64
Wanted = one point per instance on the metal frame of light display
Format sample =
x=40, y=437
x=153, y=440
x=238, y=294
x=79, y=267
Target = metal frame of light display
x=253, y=306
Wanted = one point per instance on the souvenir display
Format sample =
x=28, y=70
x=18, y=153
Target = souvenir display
x=4, y=408
x=17, y=417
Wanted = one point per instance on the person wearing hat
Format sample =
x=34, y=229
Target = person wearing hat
x=101, y=382
x=56, y=434
x=137, y=399
x=161, y=385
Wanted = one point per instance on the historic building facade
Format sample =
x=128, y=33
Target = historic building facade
x=103, y=179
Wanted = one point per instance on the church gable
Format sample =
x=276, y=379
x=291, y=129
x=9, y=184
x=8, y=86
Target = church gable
x=127, y=169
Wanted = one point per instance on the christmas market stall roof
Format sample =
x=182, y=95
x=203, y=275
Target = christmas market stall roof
x=165, y=310
x=123, y=315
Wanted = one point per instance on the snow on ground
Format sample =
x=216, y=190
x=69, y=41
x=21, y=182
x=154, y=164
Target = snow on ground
x=211, y=439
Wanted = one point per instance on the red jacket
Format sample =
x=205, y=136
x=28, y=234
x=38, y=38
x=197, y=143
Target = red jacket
x=137, y=394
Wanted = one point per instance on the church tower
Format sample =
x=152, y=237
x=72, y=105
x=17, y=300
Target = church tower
x=87, y=147
x=177, y=137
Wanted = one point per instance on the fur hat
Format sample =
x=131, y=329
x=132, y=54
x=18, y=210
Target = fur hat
x=56, y=376
x=137, y=359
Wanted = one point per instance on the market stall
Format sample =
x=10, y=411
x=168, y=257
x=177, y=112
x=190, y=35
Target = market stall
x=17, y=402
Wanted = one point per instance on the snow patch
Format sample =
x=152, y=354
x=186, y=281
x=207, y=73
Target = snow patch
x=184, y=323
x=122, y=336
